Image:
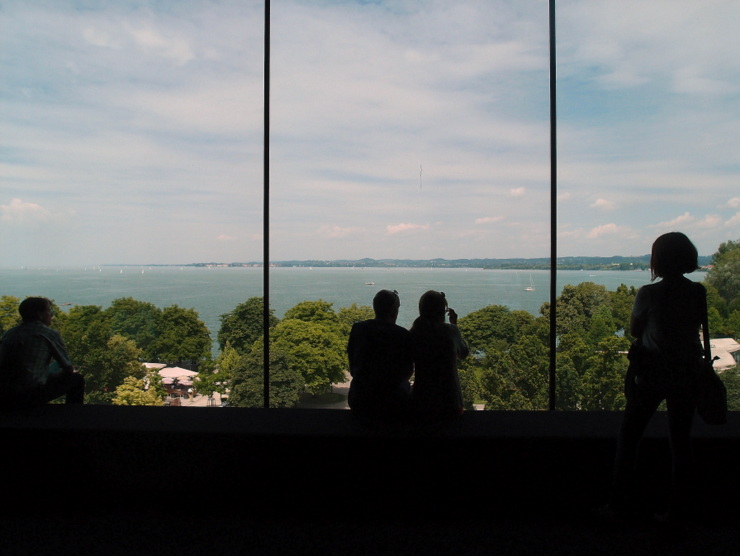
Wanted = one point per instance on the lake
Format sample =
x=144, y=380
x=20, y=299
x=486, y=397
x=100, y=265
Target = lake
x=217, y=290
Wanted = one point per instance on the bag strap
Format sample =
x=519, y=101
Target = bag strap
x=705, y=330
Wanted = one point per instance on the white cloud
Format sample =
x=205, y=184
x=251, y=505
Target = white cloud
x=333, y=231
x=603, y=204
x=489, y=219
x=709, y=222
x=226, y=237
x=734, y=220
x=517, y=192
x=605, y=230
x=683, y=220
x=405, y=227
x=20, y=212
x=734, y=202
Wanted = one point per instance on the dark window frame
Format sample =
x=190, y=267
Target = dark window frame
x=266, y=209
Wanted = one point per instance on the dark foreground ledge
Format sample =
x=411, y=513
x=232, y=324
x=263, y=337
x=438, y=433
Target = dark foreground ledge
x=305, y=462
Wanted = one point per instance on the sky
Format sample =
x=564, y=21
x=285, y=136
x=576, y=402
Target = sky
x=131, y=132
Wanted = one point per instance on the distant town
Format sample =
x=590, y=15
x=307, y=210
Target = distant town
x=641, y=262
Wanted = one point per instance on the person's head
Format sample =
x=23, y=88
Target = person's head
x=673, y=254
x=386, y=304
x=433, y=305
x=36, y=308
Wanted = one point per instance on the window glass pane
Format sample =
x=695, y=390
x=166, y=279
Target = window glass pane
x=132, y=138
x=413, y=131
x=647, y=126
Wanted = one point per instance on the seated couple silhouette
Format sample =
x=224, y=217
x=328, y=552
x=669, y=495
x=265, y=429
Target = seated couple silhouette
x=383, y=358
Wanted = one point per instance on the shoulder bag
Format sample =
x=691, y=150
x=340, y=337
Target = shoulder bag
x=711, y=400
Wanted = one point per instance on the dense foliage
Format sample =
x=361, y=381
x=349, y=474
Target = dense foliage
x=723, y=285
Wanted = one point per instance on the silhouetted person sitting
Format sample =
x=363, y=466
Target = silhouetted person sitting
x=34, y=365
x=380, y=364
x=437, y=346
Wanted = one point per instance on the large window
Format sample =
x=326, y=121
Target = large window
x=132, y=160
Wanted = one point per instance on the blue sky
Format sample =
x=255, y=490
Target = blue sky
x=130, y=132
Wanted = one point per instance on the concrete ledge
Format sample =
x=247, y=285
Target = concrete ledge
x=290, y=462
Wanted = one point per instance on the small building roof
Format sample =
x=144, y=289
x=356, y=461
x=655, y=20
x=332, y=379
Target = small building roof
x=155, y=365
x=177, y=372
x=728, y=351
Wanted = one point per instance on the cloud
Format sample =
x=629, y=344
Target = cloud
x=682, y=220
x=709, y=222
x=489, y=219
x=333, y=231
x=405, y=227
x=605, y=230
x=734, y=202
x=21, y=212
x=603, y=204
x=734, y=221
x=517, y=192
x=226, y=237
x=173, y=48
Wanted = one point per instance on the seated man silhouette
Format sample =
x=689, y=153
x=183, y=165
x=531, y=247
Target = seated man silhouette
x=381, y=364
x=34, y=365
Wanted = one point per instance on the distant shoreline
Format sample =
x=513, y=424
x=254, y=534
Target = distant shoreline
x=641, y=262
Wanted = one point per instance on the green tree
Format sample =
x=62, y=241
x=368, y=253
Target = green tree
x=107, y=369
x=731, y=378
x=86, y=331
x=184, y=338
x=724, y=275
x=494, y=326
x=347, y=316
x=243, y=325
x=103, y=358
x=600, y=326
x=321, y=312
x=622, y=301
x=9, y=316
x=470, y=385
x=133, y=392
x=219, y=378
x=603, y=380
x=576, y=306
x=315, y=349
x=532, y=362
x=138, y=321
x=286, y=384
x=568, y=385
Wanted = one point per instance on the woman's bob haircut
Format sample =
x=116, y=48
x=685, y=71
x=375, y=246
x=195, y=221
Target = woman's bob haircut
x=673, y=255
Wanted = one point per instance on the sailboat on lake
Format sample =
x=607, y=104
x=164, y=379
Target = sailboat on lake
x=530, y=288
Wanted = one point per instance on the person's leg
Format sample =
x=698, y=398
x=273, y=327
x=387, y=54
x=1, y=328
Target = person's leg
x=72, y=386
x=640, y=408
x=680, y=419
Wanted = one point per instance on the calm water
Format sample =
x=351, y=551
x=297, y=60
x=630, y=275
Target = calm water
x=215, y=291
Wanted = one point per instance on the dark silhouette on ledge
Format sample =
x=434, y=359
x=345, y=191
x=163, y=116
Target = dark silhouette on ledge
x=666, y=319
x=380, y=363
x=437, y=345
x=34, y=364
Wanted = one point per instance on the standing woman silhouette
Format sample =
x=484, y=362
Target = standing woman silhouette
x=666, y=318
x=436, y=347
